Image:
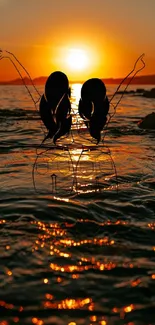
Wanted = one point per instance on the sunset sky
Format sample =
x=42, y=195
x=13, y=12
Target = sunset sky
x=83, y=38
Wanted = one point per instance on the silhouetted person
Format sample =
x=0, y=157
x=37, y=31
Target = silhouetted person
x=55, y=106
x=94, y=106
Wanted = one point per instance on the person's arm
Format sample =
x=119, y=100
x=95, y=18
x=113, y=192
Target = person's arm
x=18, y=66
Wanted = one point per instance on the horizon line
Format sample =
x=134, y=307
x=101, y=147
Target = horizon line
x=9, y=81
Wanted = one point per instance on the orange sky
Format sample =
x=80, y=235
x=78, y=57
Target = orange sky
x=112, y=34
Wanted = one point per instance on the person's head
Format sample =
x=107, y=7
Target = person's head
x=56, y=86
x=93, y=90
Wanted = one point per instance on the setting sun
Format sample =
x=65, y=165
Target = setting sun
x=77, y=59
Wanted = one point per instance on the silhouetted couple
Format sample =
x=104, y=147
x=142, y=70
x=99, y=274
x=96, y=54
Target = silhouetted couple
x=55, y=106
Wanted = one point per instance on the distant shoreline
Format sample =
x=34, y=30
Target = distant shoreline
x=140, y=80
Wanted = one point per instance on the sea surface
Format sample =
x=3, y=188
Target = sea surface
x=77, y=221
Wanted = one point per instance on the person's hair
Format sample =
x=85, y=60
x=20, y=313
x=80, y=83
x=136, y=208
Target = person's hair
x=94, y=106
x=55, y=106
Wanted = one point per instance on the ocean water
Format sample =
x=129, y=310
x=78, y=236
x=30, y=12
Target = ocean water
x=77, y=248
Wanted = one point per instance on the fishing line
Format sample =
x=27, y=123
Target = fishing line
x=6, y=57
x=134, y=67
x=115, y=106
x=35, y=164
x=34, y=102
x=25, y=71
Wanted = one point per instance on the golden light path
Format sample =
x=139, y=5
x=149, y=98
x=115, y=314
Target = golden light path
x=56, y=239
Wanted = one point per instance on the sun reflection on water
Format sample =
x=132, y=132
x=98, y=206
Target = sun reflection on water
x=57, y=241
x=69, y=304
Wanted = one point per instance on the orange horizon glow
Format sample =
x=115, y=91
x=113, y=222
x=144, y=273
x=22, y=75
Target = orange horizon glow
x=78, y=62
x=111, y=36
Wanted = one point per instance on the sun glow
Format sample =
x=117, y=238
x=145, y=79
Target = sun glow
x=77, y=59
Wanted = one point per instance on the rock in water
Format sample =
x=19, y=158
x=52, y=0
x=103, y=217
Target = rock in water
x=148, y=122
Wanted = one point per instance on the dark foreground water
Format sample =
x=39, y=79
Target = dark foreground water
x=79, y=251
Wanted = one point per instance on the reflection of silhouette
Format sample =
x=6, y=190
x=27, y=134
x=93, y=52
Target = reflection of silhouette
x=55, y=106
x=94, y=106
x=148, y=122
